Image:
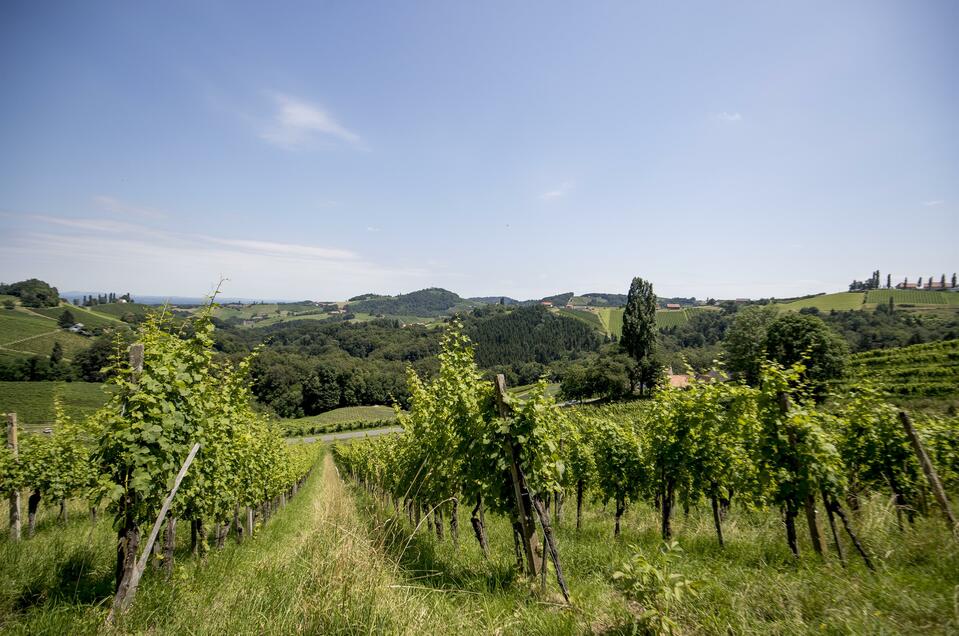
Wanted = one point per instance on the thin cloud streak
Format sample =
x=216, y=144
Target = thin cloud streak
x=112, y=205
x=557, y=193
x=297, y=122
x=729, y=118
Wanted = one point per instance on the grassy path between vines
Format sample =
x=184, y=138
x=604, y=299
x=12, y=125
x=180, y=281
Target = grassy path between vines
x=311, y=569
x=336, y=561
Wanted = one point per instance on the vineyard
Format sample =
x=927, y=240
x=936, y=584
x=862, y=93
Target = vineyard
x=911, y=297
x=176, y=418
x=740, y=453
x=925, y=370
x=721, y=508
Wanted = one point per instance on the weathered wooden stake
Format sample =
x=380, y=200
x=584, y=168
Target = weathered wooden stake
x=524, y=505
x=14, y=493
x=129, y=588
x=931, y=474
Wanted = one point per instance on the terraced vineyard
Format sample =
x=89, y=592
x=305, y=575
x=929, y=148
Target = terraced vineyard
x=911, y=297
x=85, y=315
x=26, y=334
x=341, y=419
x=33, y=401
x=924, y=370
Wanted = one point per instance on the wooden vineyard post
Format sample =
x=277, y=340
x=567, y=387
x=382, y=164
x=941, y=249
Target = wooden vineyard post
x=126, y=593
x=930, y=472
x=523, y=503
x=15, y=492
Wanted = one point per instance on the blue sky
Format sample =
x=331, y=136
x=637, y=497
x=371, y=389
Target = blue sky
x=322, y=150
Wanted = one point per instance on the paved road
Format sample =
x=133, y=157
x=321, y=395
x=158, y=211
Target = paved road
x=332, y=437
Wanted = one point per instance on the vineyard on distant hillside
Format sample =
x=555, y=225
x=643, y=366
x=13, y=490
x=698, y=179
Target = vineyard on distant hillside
x=912, y=297
x=924, y=370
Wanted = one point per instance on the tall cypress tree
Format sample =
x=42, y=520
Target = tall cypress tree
x=639, y=330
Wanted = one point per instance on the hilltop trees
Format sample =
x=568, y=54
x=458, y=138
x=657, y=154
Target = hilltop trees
x=33, y=293
x=639, y=330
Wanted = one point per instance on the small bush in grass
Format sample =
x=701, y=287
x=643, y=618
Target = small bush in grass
x=655, y=586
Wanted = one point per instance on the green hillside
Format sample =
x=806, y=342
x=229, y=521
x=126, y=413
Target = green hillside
x=588, y=317
x=924, y=370
x=118, y=310
x=827, y=302
x=341, y=419
x=90, y=319
x=25, y=333
x=33, y=401
x=16, y=325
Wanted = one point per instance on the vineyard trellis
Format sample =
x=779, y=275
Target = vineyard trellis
x=775, y=446
x=169, y=394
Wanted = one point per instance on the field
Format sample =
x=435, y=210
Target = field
x=918, y=371
x=590, y=318
x=90, y=319
x=26, y=334
x=827, y=302
x=33, y=401
x=118, y=310
x=341, y=419
x=911, y=297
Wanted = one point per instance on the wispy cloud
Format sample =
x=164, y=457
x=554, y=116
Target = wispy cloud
x=112, y=205
x=297, y=122
x=933, y=203
x=372, y=228
x=149, y=259
x=729, y=118
x=290, y=250
x=557, y=193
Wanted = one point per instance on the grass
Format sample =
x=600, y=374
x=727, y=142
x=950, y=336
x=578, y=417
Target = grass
x=42, y=345
x=90, y=319
x=841, y=301
x=33, y=401
x=337, y=560
x=312, y=569
x=16, y=325
x=753, y=586
x=25, y=333
x=588, y=317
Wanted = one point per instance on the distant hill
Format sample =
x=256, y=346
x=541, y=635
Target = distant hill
x=494, y=300
x=597, y=299
x=559, y=300
x=425, y=303
x=528, y=334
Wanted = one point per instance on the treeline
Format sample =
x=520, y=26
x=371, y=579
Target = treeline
x=527, y=334
x=307, y=367
x=32, y=293
x=102, y=299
